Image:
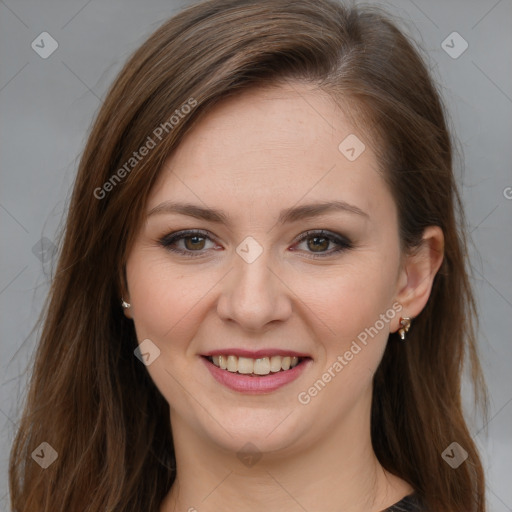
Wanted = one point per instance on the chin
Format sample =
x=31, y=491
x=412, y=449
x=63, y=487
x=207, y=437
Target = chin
x=264, y=430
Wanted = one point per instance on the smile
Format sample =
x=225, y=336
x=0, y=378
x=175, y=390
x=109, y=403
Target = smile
x=255, y=375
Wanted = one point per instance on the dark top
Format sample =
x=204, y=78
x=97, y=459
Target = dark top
x=410, y=503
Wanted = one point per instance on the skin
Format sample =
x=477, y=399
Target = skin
x=252, y=156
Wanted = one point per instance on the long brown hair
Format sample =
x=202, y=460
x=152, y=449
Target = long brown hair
x=93, y=401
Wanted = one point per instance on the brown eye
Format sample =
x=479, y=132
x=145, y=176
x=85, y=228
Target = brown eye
x=318, y=242
x=194, y=242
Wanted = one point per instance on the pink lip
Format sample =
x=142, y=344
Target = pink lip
x=254, y=354
x=255, y=385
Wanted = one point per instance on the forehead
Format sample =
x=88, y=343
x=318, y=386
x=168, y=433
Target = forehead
x=272, y=146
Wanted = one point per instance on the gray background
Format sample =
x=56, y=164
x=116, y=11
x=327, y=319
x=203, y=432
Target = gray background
x=47, y=105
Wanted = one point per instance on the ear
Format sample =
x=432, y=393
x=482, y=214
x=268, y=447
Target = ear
x=418, y=271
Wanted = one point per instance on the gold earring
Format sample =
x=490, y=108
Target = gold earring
x=405, y=322
x=125, y=304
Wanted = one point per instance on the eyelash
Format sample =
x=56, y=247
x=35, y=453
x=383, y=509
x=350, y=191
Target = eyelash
x=168, y=240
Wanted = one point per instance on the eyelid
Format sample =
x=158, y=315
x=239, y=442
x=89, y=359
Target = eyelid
x=322, y=232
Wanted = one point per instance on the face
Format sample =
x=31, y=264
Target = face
x=265, y=280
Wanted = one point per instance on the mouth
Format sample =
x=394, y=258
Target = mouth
x=265, y=372
x=256, y=367
x=256, y=371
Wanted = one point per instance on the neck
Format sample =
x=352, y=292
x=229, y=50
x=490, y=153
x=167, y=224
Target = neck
x=339, y=472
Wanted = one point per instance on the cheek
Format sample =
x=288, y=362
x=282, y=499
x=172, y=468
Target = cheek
x=163, y=298
x=350, y=298
x=356, y=313
x=163, y=295
x=340, y=301
x=354, y=305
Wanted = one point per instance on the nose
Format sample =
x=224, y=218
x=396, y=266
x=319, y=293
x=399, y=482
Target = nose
x=254, y=295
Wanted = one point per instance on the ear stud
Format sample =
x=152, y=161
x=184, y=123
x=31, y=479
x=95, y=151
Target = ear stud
x=405, y=322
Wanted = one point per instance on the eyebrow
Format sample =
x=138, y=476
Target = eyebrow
x=288, y=215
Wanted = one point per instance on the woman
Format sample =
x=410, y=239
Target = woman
x=261, y=299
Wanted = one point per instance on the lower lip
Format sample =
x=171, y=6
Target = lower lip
x=255, y=385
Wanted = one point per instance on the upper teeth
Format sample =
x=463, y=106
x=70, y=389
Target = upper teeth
x=260, y=366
